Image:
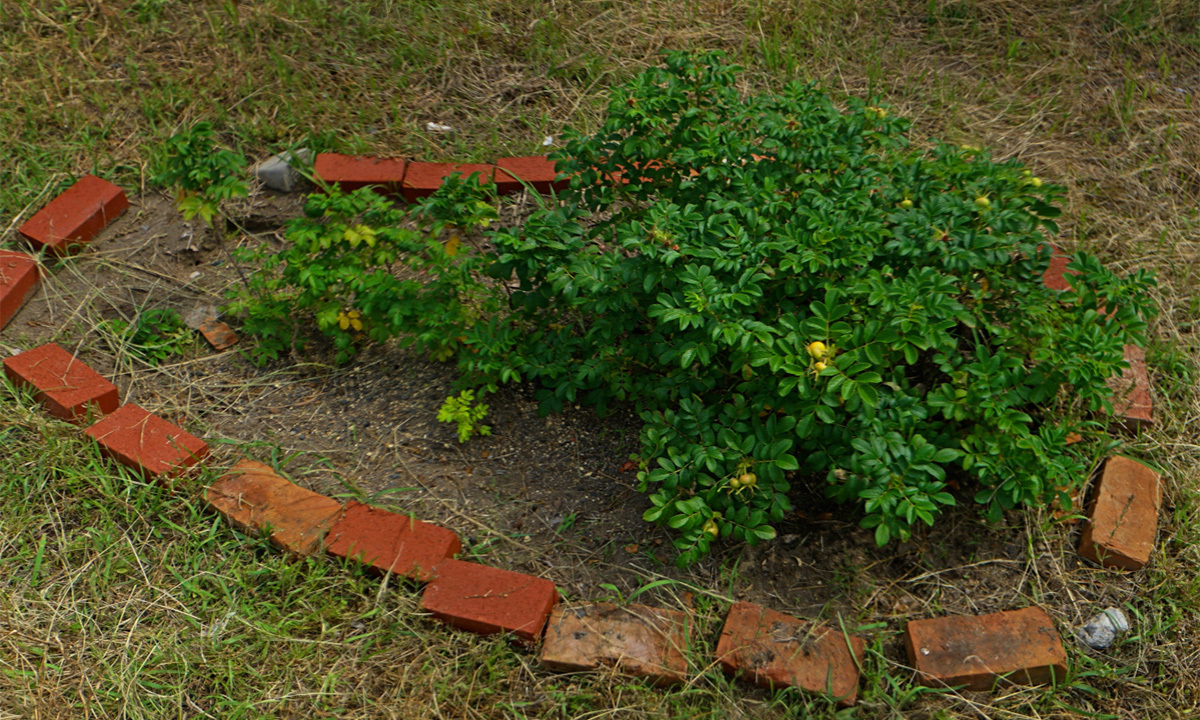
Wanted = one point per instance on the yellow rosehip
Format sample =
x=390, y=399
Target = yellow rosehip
x=712, y=528
x=982, y=202
x=820, y=366
x=817, y=349
x=1035, y=181
x=906, y=203
x=749, y=480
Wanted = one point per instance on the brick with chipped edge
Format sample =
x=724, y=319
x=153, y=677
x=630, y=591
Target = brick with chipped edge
x=1122, y=515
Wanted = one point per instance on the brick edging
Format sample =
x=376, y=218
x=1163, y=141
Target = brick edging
x=756, y=644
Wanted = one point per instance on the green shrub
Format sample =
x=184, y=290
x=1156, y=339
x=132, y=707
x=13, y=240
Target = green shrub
x=785, y=289
x=201, y=175
x=358, y=268
x=154, y=336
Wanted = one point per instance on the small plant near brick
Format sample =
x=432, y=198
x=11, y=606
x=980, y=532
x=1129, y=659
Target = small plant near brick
x=361, y=269
x=786, y=289
x=202, y=175
x=154, y=336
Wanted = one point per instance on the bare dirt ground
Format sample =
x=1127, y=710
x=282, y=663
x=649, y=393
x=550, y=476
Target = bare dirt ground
x=545, y=495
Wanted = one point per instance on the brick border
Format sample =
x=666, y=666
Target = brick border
x=488, y=600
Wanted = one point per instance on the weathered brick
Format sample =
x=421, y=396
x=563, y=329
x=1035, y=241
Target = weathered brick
x=488, y=600
x=218, y=334
x=1133, y=405
x=975, y=651
x=76, y=216
x=146, y=443
x=637, y=640
x=351, y=172
x=390, y=542
x=19, y=275
x=1122, y=515
x=255, y=499
x=65, y=384
x=423, y=178
x=774, y=650
x=538, y=171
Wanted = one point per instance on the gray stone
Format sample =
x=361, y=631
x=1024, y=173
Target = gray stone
x=277, y=173
x=1103, y=629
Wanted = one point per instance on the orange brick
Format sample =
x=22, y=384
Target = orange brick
x=76, y=216
x=390, y=542
x=976, y=651
x=65, y=384
x=774, y=650
x=1133, y=404
x=637, y=640
x=1122, y=515
x=351, y=172
x=146, y=443
x=254, y=499
x=488, y=600
x=19, y=276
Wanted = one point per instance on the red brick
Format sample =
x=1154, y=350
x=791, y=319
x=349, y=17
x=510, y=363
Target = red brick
x=255, y=499
x=218, y=334
x=488, y=600
x=1122, y=515
x=975, y=651
x=637, y=640
x=351, y=172
x=538, y=171
x=1056, y=274
x=423, y=178
x=146, y=443
x=19, y=275
x=774, y=650
x=389, y=542
x=65, y=385
x=76, y=216
x=1133, y=405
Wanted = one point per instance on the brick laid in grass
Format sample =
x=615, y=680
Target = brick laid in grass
x=255, y=499
x=390, y=542
x=67, y=387
x=423, y=178
x=351, y=172
x=19, y=276
x=774, y=650
x=144, y=442
x=637, y=640
x=976, y=651
x=536, y=171
x=1122, y=515
x=76, y=216
x=1133, y=405
x=488, y=600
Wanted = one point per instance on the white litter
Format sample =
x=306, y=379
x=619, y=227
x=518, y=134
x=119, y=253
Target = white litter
x=437, y=127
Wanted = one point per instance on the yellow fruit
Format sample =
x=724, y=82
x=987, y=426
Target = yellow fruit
x=982, y=202
x=735, y=483
x=820, y=366
x=817, y=349
x=1035, y=181
x=749, y=480
x=906, y=203
x=712, y=528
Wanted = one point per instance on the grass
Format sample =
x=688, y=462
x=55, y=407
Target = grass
x=121, y=599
